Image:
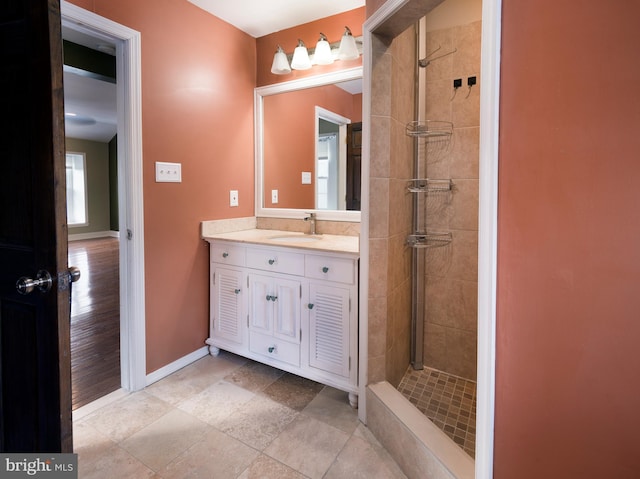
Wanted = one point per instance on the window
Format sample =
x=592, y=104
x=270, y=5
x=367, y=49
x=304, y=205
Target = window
x=76, y=190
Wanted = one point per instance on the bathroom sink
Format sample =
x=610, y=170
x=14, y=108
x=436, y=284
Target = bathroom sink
x=296, y=238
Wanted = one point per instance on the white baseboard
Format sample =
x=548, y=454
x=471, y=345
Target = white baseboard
x=171, y=368
x=95, y=234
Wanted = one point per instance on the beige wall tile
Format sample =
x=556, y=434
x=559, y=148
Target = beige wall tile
x=380, y=158
x=378, y=267
x=464, y=205
x=465, y=152
x=379, y=208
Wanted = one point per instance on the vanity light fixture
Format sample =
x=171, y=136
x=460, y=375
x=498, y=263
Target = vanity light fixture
x=323, y=54
x=301, y=59
x=280, y=65
x=348, y=49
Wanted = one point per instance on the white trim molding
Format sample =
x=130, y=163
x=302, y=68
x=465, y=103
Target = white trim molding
x=131, y=220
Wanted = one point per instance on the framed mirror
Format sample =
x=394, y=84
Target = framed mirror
x=307, y=135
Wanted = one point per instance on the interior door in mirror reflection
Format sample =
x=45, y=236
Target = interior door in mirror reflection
x=290, y=135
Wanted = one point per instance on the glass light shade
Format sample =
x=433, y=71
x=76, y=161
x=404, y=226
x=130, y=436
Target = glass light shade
x=348, y=49
x=280, y=65
x=322, y=55
x=300, y=59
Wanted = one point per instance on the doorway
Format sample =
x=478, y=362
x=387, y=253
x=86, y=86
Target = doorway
x=126, y=43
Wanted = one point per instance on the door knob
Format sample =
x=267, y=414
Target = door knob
x=44, y=280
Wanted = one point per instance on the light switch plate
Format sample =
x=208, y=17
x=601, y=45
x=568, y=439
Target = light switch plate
x=274, y=197
x=306, y=177
x=233, y=198
x=168, y=172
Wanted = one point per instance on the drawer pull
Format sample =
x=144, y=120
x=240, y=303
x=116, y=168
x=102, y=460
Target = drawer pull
x=325, y=269
x=310, y=305
x=272, y=349
x=271, y=298
x=237, y=291
x=225, y=255
x=272, y=261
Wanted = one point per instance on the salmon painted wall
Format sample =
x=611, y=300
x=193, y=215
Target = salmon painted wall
x=332, y=27
x=198, y=76
x=568, y=331
x=289, y=140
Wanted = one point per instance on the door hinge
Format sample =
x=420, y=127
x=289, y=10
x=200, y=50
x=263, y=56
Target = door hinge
x=349, y=304
x=300, y=291
x=129, y=234
x=300, y=334
x=247, y=320
x=349, y=363
x=214, y=278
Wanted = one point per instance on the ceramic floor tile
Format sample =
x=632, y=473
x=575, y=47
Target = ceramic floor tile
x=162, y=441
x=361, y=459
x=127, y=416
x=195, y=377
x=215, y=456
x=194, y=424
x=258, y=422
x=448, y=401
x=265, y=467
x=113, y=462
x=331, y=406
x=254, y=376
x=293, y=391
x=217, y=402
x=307, y=445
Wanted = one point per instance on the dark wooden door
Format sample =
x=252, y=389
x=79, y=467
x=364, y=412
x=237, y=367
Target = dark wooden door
x=35, y=385
x=354, y=165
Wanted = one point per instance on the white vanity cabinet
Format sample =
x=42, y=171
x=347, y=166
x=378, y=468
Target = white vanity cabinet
x=292, y=308
x=274, y=317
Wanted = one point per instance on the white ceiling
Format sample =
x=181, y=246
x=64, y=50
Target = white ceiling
x=94, y=101
x=261, y=17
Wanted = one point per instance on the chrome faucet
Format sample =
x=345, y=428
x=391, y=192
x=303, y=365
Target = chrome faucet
x=312, y=221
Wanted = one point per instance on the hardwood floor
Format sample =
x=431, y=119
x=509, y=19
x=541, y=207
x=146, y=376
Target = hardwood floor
x=95, y=319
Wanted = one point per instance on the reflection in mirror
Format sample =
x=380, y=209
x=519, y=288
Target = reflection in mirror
x=305, y=155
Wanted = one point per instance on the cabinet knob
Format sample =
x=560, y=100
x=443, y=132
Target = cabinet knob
x=237, y=291
x=271, y=349
x=310, y=305
x=271, y=261
x=225, y=255
x=325, y=269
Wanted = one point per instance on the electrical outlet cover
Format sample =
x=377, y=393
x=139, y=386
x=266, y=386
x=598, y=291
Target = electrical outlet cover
x=233, y=198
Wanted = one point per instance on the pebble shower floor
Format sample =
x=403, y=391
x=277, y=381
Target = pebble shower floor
x=448, y=401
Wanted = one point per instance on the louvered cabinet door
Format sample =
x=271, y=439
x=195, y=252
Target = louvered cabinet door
x=227, y=304
x=329, y=321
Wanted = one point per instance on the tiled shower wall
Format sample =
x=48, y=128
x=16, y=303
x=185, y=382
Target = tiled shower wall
x=390, y=220
x=450, y=334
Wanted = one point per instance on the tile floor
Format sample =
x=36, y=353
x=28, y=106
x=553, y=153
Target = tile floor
x=228, y=417
x=448, y=401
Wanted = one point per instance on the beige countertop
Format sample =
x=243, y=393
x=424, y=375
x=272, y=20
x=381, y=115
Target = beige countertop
x=320, y=242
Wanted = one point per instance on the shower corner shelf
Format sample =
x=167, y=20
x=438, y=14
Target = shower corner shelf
x=430, y=129
x=429, y=240
x=427, y=185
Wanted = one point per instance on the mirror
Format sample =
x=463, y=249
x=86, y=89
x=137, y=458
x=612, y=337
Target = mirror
x=307, y=137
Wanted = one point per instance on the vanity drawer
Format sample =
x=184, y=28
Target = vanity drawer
x=273, y=348
x=277, y=261
x=230, y=254
x=340, y=270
